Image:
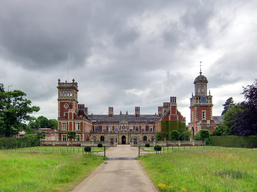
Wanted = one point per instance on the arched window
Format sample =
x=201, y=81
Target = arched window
x=144, y=138
x=102, y=138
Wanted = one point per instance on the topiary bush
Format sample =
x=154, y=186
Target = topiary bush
x=174, y=135
x=147, y=145
x=157, y=148
x=100, y=145
x=87, y=149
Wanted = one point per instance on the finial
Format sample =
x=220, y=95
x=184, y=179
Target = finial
x=200, y=67
x=209, y=92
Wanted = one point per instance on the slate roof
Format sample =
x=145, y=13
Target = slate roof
x=118, y=118
x=200, y=79
x=218, y=119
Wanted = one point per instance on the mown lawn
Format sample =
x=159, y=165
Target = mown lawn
x=207, y=169
x=44, y=170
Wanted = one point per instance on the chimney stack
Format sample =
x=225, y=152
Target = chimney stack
x=137, y=111
x=110, y=112
x=173, y=105
x=160, y=110
x=166, y=106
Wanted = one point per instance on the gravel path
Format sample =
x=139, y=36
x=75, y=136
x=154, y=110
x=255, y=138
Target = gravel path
x=118, y=175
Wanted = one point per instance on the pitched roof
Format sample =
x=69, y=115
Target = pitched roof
x=218, y=119
x=128, y=118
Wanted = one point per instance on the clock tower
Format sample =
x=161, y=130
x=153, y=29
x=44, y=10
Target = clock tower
x=201, y=107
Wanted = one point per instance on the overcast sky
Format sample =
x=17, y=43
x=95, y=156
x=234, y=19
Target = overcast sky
x=127, y=53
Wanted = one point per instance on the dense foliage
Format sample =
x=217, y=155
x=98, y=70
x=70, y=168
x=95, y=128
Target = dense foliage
x=240, y=119
x=245, y=121
x=157, y=148
x=160, y=136
x=234, y=141
x=43, y=122
x=99, y=145
x=14, y=111
x=147, y=145
x=185, y=136
x=71, y=134
x=229, y=103
x=204, y=134
x=87, y=149
x=26, y=141
x=174, y=135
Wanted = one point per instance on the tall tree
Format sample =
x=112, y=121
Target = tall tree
x=229, y=103
x=246, y=120
x=14, y=111
x=53, y=123
x=229, y=120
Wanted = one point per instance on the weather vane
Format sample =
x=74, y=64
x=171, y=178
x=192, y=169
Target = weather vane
x=200, y=67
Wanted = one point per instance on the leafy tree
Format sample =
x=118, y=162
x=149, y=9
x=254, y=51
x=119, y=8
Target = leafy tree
x=229, y=121
x=1, y=87
x=53, y=123
x=158, y=136
x=14, y=111
x=185, y=136
x=41, y=134
x=229, y=103
x=71, y=135
x=245, y=121
x=204, y=134
x=219, y=131
x=174, y=135
x=42, y=122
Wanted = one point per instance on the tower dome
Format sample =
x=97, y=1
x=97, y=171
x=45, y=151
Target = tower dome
x=200, y=79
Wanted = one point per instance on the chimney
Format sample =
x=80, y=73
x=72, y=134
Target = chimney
x=137, y=111
x=110, y=112
x=173, y=105
x=160, y=110
x=166, y=106
x=86, y=110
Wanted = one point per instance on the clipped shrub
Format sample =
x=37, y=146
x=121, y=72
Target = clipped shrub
x=147, y=145
x=185, y=136
x=157, y=148
x=204, y=134
x=100, y=145
x=174, y=135
x=87, y=149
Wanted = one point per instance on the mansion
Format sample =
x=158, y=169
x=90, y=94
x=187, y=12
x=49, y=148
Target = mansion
x=127, y=128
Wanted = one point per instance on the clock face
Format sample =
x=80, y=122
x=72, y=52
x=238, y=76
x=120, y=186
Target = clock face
x=66, y=105
x=203, y=100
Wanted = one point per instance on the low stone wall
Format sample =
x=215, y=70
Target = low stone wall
x=169, y=143
x=132, y=144
x=77, y=143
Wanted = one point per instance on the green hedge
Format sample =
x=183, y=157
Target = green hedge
x=9, y=143
x=234, y=141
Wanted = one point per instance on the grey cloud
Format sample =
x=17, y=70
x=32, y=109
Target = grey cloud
x=40, y=35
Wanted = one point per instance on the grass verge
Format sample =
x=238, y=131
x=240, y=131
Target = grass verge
x=218, y=169
x=44, y=170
